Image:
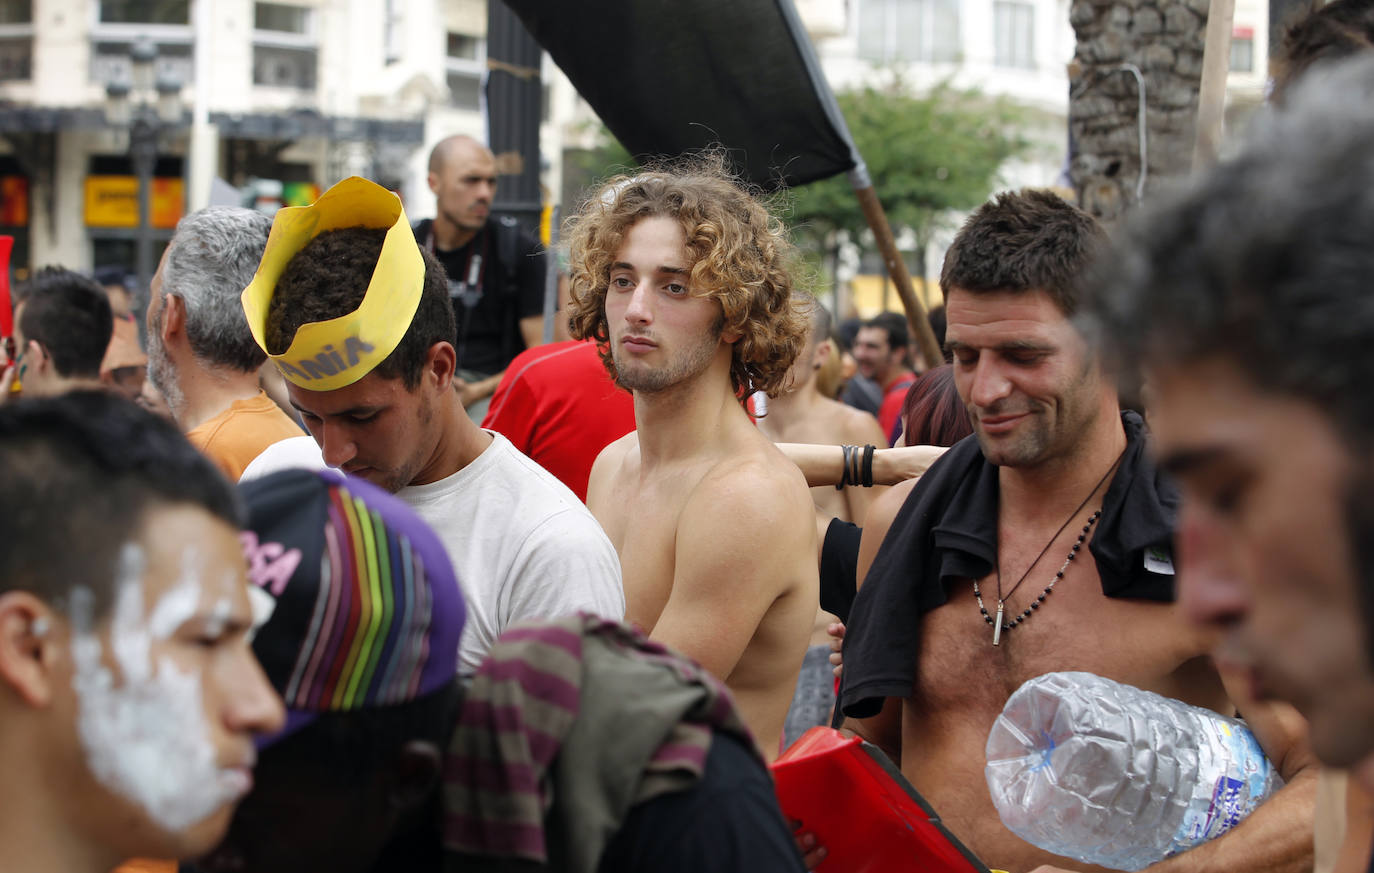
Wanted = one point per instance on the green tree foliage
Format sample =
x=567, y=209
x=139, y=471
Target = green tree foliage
x=927, y=155
x=584, y=168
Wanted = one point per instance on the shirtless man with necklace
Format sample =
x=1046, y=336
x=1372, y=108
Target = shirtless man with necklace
x=1055, y=493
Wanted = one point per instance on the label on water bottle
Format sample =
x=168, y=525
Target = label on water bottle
x=1228, y=805
x=1233, y=793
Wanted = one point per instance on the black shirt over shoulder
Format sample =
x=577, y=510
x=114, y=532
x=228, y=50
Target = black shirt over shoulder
x=947, y=530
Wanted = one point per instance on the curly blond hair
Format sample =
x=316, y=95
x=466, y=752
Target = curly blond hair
x=740, y=256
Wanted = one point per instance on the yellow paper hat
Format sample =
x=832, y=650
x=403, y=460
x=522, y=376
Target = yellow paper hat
x=326, y=355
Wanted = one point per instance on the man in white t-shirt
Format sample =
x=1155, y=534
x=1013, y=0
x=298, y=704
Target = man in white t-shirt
x=358, y=321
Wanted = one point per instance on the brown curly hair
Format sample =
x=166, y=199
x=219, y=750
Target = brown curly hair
x=740, y=256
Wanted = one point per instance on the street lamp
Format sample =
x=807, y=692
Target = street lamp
x=146, y=106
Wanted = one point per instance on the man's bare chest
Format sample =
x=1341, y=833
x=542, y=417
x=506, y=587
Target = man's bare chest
x=641, y=523
x=1076, y=627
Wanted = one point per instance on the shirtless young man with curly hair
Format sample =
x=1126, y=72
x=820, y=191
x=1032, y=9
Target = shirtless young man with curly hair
x=681, y=277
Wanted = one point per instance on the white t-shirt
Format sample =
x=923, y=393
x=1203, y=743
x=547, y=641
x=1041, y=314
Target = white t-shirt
x=524, y=546
x=292, y=453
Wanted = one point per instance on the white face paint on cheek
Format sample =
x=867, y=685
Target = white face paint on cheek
x=147, y=740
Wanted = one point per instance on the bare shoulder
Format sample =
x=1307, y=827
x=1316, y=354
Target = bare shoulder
x=615, y=452
x=886, y=507
x=859, y=427
x=758, y=485
x=878, y=522
x=609, y=462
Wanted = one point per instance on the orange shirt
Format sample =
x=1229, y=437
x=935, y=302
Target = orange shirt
x=144, y=865
x=237, y=435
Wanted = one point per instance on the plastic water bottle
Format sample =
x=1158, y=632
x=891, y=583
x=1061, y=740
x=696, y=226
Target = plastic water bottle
x=1112, y=775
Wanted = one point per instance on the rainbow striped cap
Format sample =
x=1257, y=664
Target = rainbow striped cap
x=368, y=611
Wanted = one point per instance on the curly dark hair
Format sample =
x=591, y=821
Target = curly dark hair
x=740, y=256
x=329, y=277
x=1028, y=240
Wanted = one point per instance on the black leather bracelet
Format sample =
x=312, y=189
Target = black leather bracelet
x=866, y=479
x=846, y=453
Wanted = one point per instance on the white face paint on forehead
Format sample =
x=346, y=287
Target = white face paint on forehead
x=147, y=739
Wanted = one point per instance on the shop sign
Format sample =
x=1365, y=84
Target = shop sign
x=112, y=201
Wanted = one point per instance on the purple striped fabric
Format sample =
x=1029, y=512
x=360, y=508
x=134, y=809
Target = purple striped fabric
x=547, y=687
x=502, y=838
x=501, y=771
x=486, y=775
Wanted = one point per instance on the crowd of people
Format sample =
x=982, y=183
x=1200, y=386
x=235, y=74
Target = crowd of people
x=362, y=577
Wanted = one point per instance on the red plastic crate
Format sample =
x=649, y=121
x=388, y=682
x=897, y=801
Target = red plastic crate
x=862, y=810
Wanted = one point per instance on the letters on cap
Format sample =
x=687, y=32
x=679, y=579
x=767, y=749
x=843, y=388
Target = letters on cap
x=327, y=355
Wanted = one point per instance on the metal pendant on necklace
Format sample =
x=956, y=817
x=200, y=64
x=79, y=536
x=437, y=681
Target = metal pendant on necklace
x=997, y=624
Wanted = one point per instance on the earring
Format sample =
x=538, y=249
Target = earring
x=40, y=626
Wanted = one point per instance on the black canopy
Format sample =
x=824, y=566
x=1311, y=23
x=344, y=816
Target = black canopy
x=673, y=76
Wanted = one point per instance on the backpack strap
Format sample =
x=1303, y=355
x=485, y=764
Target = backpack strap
x=508, y=250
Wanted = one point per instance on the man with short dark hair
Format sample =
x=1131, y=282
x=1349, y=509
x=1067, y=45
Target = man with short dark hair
x=495, y=270
x=129, y=697
x=881, y=349
x=356, y=316
x=1245, y=299
x=62, y=327
x=971, y=585
x=201, y=354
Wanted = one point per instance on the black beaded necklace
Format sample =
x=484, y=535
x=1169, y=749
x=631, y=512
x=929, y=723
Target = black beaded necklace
x=997, y=625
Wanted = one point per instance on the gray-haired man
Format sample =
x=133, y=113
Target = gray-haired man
x=201, y=354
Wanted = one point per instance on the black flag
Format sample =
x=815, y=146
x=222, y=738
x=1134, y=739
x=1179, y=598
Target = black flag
x=671, y=76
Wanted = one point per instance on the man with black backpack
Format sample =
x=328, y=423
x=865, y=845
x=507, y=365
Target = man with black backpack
x=495, y=270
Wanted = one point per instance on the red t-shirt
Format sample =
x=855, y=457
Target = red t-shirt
x=891, y=410
x=557, y=404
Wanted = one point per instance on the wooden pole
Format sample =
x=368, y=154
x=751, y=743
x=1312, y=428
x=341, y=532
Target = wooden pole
x=1211, y=100
x=896, y=268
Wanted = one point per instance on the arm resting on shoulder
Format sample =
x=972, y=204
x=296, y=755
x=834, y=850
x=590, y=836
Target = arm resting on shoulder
x=824, y=465
x=862, y=429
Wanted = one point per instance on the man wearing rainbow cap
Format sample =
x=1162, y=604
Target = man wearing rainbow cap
x=357, y=319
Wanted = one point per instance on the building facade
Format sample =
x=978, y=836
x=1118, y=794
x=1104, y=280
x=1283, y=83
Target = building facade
x=1017, y=49
x=281, y=99
x=276, y=99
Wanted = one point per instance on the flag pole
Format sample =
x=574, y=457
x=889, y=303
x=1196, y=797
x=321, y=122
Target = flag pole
x=1211, y=102
x=896, y=266
x=863, y=190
